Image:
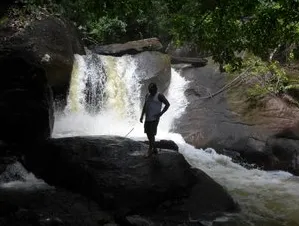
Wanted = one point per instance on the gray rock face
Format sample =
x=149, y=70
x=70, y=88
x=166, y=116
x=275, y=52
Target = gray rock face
x=226, y=123
x=208, y=120
x=153, y=67
x=114, y=172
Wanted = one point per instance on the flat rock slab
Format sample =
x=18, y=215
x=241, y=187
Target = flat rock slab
x=132, y=47
x=114, y=172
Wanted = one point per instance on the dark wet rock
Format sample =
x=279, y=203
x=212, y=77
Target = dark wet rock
x=3, y=147
x=26, y=101
x=49, y=41
x=114, y=172
x=9, y=155
x=2, y=167
x=7, y=208
x=11, y=173
x=6, y=158
x=48, y=207
x=287, y=153
x=51, y=221
x=138, y=220
x=195, y=62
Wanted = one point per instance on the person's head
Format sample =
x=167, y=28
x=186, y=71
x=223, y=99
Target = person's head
x=152, y=88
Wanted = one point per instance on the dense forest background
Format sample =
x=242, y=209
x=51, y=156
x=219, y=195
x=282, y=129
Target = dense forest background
x=238, y=34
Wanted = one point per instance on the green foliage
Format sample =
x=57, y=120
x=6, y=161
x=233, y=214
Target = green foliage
x=224, y=28
x=105, y=28
x=110, y=21
x=231, y=26
x=263, y=78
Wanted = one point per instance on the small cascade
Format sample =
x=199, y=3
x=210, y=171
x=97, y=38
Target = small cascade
x=123, y=87
x=95, y=84
x=87, y=88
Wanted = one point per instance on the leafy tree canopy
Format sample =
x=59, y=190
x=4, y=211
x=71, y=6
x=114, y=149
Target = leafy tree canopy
x=222, y=27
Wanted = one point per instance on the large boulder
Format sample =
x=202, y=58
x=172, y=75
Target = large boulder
x=132, y=47
x=286, y=150
x=50, y=41
x=28, y=201
x=155, y=67
x=114, y=172
x=26, y=100
x=222, y=119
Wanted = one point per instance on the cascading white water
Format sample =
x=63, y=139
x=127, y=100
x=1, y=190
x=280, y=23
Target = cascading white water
x=266, y=198
x=122, y=107
x=88, y=81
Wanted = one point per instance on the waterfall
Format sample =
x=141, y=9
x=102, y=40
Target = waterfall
x=266, y=198
x=121, y=99
x=87, y=84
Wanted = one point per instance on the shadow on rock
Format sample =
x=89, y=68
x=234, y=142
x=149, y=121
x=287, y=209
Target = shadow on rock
x=114, y=172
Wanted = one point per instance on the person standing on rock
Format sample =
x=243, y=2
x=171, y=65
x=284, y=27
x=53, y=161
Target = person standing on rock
x=152, y=110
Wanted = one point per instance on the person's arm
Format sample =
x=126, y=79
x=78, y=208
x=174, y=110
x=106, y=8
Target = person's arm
x=163, y=99
x=142, y=113
x=143, y=110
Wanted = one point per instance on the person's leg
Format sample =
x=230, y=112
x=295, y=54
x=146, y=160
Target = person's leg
x=154, y=131
x=150, y=129
x=151, y=139
x=150, y=144
x=147, y=130
x=155, y=151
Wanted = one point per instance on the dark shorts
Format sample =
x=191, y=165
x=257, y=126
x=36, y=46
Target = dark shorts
x=151, y=127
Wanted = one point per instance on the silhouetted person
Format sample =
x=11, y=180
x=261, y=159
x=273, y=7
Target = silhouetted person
x=152, y=110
